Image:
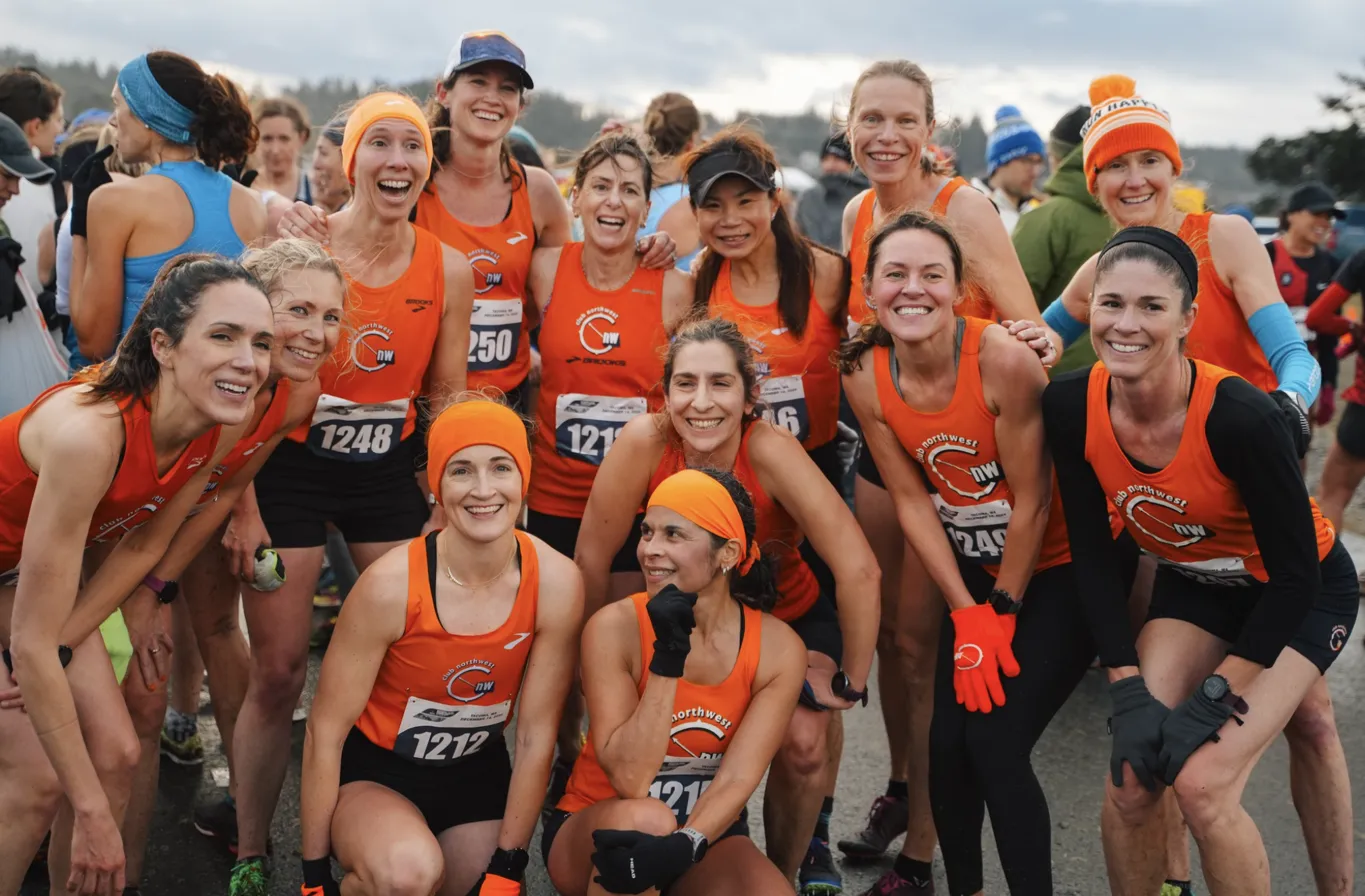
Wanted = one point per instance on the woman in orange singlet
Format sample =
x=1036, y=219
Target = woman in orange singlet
x=353, y=463
x=1254, y=595
x=890, y=126
x=123, y=453
x=406, y=777
x=951, y=408
x=689, y=690
x=711, y=419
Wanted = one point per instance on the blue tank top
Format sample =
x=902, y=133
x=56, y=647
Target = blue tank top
x=661, y=199
x=208, y=192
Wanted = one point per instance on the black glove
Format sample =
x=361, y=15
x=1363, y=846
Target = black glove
x=240, y=173
x=11, y=298
x=1189, y=726
x=90, y=176
x=1297, y=420
x=632, y=862
x=317, y=878
x=1136, y=727
x=670, y=613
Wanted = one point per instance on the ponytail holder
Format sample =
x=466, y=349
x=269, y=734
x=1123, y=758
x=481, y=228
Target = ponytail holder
x=749, y=559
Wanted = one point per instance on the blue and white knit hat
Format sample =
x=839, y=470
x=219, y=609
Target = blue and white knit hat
x=1012, y=138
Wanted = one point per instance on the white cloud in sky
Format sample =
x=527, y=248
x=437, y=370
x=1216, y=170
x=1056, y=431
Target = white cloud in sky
x=1229, y=71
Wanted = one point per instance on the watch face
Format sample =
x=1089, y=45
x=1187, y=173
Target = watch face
x=839, y=684
x=1215, y=687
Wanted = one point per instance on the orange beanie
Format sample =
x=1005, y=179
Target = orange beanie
x=1122, y=122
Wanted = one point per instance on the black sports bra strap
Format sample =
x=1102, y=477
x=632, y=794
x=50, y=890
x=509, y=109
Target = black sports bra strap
x=431, y=562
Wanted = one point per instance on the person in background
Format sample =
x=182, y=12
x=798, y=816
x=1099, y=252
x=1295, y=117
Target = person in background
x=1014, y=161
x=331, y=189
x=1303, y=269
x=35, y=104
x=820, y=210
x=524, y=148
x=1057, y=237
x=284, y=129
x=673, y=125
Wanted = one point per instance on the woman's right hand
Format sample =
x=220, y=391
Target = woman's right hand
x=306, y=222
x=96, y=855
x=245, y=533
x=90, y=176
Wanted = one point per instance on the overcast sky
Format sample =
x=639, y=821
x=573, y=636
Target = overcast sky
x=1228, y=71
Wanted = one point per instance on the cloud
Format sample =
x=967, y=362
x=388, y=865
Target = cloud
x=1230, y=71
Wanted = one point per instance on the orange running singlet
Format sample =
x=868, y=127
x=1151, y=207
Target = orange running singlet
x=779, y=537
x=1187, y=514
x=705, y=719
x=265, y=430
x=378, y=367
x=136, y=493
x=975, y=302
x=600, y=366
x=798, y=381
x=1221, y=334
x=957, y=451
x=438, y=697
x=500, y=254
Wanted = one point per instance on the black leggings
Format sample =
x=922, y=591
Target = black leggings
x=980, y=761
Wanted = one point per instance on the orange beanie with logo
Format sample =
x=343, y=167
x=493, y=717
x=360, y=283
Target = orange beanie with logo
x=1122, y=122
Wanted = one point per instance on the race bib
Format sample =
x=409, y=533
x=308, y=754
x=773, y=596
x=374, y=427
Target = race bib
x=681, y=782
x=784, y=400
x=977, y=532
x=344, y=430
x=587, y=425
x=437, y=734
x=1300, y=315
x=494, y=331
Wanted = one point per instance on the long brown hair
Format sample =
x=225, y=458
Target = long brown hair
x=606, y=148
x=223, y=130
x=438, y=119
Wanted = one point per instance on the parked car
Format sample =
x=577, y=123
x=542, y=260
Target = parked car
x=1348, y=234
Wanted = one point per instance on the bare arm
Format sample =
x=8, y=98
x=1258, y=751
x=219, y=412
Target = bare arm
x=549, y=672
x=987, y=243
x=680, y=222
x=832, y=274
x=1242, y=262
x=1076, y=296
x=98, y=314
x=446, y=375
x=372, y=618
x=919, y=521
x=617, y=493
x=1013, y=382
x=549, y=210
x=629, y=729
x=677, y=298
x=781, y=670
x=791, y=477
x=850, y=220
x=541, y=279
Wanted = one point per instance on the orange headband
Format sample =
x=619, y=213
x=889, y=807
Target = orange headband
x=376, y=107
x=476, y=423
x=705, y=502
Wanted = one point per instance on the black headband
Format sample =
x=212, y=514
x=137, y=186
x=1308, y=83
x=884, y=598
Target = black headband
x=709, y=169
x=1167, y=242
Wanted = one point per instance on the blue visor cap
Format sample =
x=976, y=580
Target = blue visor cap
x=478, y=47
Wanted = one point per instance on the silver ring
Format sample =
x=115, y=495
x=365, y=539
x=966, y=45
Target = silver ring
x=155, y=650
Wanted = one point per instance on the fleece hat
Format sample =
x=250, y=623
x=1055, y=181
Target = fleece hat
x=1013, y=138
x=1122, y=122
x=1066, y=133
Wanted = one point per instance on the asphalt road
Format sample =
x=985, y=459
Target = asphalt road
x=1071, y=760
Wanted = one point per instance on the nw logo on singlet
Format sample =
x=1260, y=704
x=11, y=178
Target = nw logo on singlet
x=948, y=456
x=367, y=352
x=698, y=719
x=470, y=680
x=595, y=331
x=1158, y=515
x=484, y=262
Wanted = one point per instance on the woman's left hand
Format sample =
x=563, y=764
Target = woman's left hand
x=1038, y=337
x=657, y=250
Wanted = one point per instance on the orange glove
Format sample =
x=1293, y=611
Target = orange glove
x=981, y=651
x=496, y=885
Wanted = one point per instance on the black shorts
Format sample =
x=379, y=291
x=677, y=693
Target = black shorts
x=819, y=629
x=867, y=467
x=1222, y=611
x=826, y=458
x=556, y=818
x=371, y=503
x=474, y=789
x=561, y=533
x=1351, y=429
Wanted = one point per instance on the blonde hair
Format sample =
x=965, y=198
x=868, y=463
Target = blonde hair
x=909, y=71
x=115, y=163
x=270, y=264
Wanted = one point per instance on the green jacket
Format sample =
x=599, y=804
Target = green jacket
x=1055, y=239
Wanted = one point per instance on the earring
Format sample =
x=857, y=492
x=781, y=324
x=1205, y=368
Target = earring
x=725, y=570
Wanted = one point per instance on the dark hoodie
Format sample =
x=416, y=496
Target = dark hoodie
x=820, y=210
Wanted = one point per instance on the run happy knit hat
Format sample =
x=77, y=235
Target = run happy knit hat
x=1013, y=138
x=1122, y=122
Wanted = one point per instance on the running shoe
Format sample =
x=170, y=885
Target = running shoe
x=892, y=884
x=189, y=751
x=886, y=822
x=817, y=875
x=1170, y=889
x=218, y=820
x=328, y=597
x=249, y=878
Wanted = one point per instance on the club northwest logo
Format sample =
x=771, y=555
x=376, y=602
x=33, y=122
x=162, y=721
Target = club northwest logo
x=470, y=680
x=949, y=457
x=484, y=263
x=367, y=351
x=595, y=330
x=703, y=721
x=1158, y=515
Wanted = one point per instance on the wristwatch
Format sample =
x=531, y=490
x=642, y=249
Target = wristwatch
x=1299, y=401
x=699, y=843
x=509, y=863
x=63, y=655
x=165, y=591
x=844, y=689
x=1004, y=603
x=1216, y=689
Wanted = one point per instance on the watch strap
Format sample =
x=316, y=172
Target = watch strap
x=699, y=841
x=155, y=584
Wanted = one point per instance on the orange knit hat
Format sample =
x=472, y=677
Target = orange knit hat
x=1121, y=122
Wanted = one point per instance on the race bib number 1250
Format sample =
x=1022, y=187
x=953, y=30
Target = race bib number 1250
x=494, y=331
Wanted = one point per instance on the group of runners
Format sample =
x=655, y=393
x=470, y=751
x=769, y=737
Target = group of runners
x=664, y=557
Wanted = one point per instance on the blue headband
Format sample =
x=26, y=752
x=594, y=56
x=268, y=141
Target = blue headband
x=152, y=105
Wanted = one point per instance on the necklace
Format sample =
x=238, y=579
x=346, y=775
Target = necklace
x=508, y=565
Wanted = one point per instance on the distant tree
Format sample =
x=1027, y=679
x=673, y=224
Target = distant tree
x=1335, y=157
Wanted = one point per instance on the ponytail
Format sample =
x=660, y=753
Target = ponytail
x=223, y=130
x=756, y=588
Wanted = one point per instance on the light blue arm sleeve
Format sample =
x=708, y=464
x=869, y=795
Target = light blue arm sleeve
x=1295, y=367
x=1063, y=324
